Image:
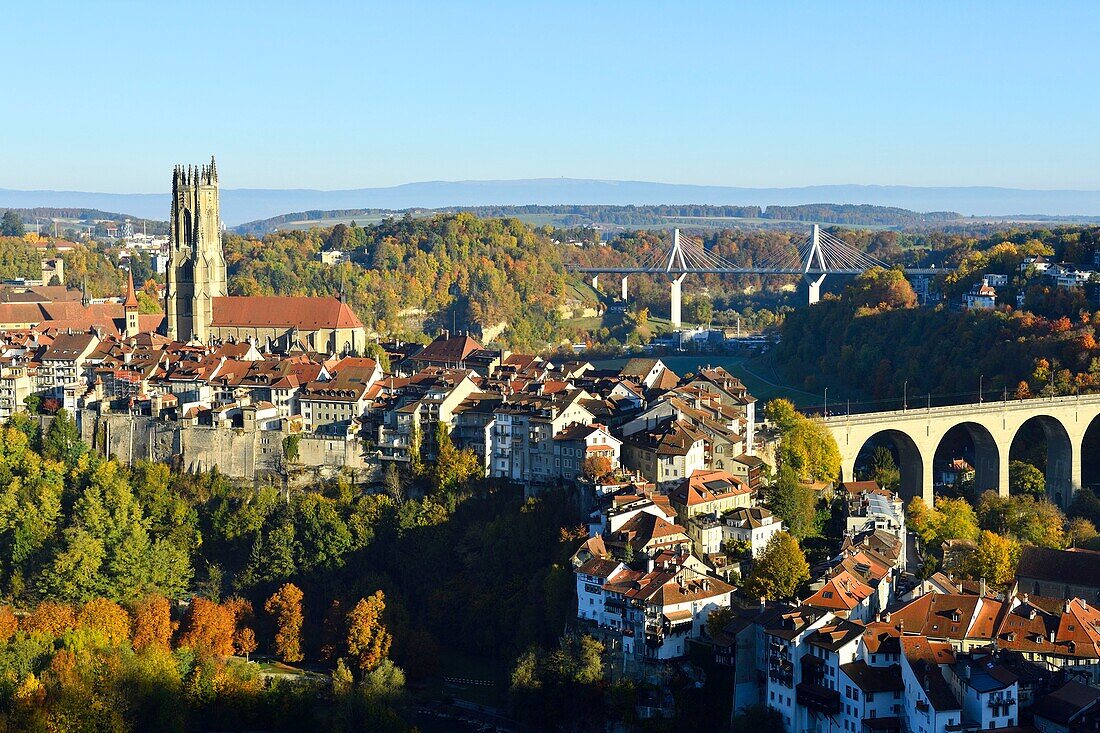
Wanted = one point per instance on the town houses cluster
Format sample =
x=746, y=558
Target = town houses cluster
x=866, y=646
x=236, y=381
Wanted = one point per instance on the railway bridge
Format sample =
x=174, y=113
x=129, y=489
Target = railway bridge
x=991, y=425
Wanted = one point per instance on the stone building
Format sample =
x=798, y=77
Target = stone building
x=196, y=299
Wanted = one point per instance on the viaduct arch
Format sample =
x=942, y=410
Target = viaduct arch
x=991, y=425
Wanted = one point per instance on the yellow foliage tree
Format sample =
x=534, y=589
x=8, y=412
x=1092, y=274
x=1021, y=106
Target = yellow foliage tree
x=368, y=640
x=107, y=620
x=286, y=606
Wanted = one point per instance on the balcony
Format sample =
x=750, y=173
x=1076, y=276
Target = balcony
x=996, y=702
x=785, y=679
x=817, y=698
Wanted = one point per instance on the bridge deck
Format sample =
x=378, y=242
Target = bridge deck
x=988, y=407
x=739, y=271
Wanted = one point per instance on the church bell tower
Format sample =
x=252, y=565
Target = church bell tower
x=196, y=264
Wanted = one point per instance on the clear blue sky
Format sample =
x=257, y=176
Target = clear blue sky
x=109, y=95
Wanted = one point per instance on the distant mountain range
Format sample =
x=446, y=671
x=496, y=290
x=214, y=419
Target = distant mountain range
x=248, y=204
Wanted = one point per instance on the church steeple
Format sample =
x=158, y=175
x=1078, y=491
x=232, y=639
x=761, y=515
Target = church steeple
x=196, y=265
x=130, y=309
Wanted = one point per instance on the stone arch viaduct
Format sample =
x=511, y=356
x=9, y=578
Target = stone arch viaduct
x=917, y=432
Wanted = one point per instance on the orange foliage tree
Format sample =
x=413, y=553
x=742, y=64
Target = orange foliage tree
x=285, y=605
x=244, y=638
x=51, y=619
x=8, y=624
x=368, y=639
x=106, y=619
x=208, y=628
x=153, y=623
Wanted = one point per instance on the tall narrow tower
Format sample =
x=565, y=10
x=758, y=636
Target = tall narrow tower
x=196, y=264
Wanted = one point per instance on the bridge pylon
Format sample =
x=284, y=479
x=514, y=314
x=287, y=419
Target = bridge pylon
x=814, y=256
x=676, y=262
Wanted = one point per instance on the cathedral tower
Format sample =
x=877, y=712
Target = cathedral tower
x=196, y=264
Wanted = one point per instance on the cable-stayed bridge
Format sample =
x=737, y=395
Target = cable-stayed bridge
x=816, y=256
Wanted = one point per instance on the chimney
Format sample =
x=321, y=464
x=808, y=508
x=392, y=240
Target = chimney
x=763, y=603
x=981, y=587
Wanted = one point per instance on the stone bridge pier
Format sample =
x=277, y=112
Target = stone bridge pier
x=992, y=426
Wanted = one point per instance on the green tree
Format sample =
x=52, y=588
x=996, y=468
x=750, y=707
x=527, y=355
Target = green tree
x=11, y=225
x=792, y=501
x=780, y=569
x=884, y=470
x=62, y=442
x=1024, y=478
x=291, y=448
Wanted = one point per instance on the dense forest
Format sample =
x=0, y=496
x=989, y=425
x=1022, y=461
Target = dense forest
x=448, y=269
x=572, y=215
x=139, y=592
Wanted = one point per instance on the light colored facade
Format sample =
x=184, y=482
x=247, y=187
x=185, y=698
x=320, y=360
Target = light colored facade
x=16, y=386
x=667, y=455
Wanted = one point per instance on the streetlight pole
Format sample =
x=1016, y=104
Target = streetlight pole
x=826, y=402
x=981, y=381
x=905, y=396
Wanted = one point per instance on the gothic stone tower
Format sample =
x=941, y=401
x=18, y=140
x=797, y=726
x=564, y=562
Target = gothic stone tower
x=196, y=265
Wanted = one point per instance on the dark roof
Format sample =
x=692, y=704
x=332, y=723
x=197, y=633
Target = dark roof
x=448, y=349
x=874, y=679
x=1070, y=567
x=1064, y=703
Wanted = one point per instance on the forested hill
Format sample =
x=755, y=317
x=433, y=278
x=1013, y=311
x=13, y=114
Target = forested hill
x=873, y=340
x=447, y=269
x=696, y=215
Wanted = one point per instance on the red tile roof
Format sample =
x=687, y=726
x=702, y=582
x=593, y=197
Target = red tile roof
x=283, y=311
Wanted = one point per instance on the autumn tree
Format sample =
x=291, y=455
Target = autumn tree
x=881, y=289
x=596, y=467
x=1080, y=532
x=994, y=558
x=153, y=626
x=453, y=467
x=208, y=628
x=368, y=639
x=8, y=624
x=244, y=637
x=285, y=606
x=805, y=445
x=106, y=620
x=49, y=618
x=244, y=642
x=780, y=569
